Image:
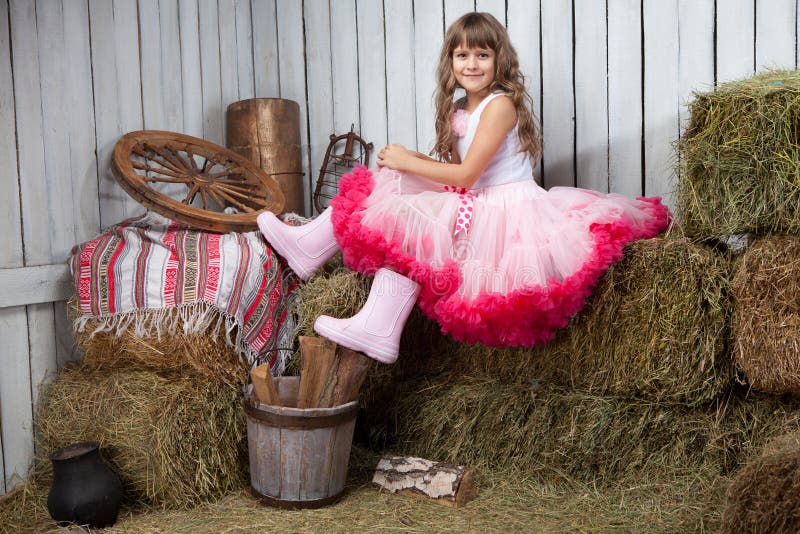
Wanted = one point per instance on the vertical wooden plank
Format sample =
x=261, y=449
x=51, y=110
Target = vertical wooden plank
x=244, y=49
x=129, y=87
x=558, y=105
x=344, y=66
x=293, y=75
x=170, y=83
x=264, y=447
x=291, y=451
x=696, y=54
x=12, y=320
x=171, y=80
x=56, y=203
x=496, y=7
x=30, y=136
x=66, y=349
x=341, y=444
x=117, y=99
x=524, y=31
x=48, y=194
x=16, y=411
x=11, y=237
x=191, y=84
x=318, y=68
x=161, y=80
x=16, y=414
x=81, y=120
x=371, y=61
x=428, y=37
x=776, y=22
x=625, y=97
x=152, y=73
x=453, y=9
x=661, y=96
x=265, y=49
x=400, y=73
x=43, y=362
x=316, y=463
x=228, y=65
x=591, y=91
x=213, y=118
x=735, y=37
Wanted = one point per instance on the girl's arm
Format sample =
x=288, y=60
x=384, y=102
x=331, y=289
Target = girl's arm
x=497, y=120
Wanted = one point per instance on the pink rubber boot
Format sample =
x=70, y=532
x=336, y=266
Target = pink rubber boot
x=376, y=329
x=306, y=248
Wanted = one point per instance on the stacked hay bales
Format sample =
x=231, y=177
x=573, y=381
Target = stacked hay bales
x=740, y=154
x=166, y=410
x=740, y=160
x=174, y=442
x=641, y=377
x=766, y=323
x=655, y=328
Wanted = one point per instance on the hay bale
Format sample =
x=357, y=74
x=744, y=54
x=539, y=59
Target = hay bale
x=174, y=442
x=766, y=318
x=492, y=424
x=765, y=495
x=740, y=156
x=207, y=355
x=656, y=327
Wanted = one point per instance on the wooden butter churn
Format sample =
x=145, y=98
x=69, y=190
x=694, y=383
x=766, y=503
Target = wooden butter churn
x=267, y=132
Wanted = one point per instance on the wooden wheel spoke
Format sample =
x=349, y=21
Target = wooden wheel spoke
x=243, y=196
x=207, y=164
x=151, y=154
x=158, y=170
x=166, y=180
x=232, y=200
x=192, y=192
x=169, y=153
x=227, y=172
x=192, y=162
x=215, y=197
x=204, y=198
x=244, y=187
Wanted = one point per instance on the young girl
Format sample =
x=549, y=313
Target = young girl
x=470, y=237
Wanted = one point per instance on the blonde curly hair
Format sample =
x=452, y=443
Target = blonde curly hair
x=482, y=30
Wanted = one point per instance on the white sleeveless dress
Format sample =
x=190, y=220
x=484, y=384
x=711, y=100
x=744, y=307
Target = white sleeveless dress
x=506, y=263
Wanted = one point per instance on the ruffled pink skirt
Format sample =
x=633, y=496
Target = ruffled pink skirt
x=525, y=265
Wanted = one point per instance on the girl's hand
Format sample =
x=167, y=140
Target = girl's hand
x=394, y=157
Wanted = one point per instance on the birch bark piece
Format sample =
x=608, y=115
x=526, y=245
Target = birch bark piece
x=440, y=482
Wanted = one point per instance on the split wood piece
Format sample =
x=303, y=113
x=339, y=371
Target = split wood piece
x=443, y=483
x=344, y=378
x=318, y=358
x=350, y=375
x=264, y=386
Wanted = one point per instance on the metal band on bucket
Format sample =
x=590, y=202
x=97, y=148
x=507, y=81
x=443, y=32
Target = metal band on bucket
x=298, y=422
x=295, y=505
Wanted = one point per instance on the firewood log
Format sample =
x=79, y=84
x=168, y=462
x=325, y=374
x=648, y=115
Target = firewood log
x=440, y=482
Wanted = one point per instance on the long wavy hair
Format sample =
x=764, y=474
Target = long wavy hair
x=482, y=30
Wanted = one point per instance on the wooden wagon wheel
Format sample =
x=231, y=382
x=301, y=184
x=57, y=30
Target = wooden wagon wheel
x=150, y=165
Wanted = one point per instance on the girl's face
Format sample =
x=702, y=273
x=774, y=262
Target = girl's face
x=474, y=69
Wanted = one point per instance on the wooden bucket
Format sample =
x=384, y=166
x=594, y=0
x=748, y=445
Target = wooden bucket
x=267, y=132
x=298, y=456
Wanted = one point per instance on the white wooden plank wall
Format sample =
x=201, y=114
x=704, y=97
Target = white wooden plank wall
x=609, y=79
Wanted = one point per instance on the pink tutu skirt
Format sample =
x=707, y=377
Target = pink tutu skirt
x=522, y=268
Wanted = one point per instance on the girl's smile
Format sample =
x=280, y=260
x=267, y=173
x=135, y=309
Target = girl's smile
x=474, y=69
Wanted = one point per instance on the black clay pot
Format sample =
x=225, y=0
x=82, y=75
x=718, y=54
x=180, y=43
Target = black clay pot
x=85, y=490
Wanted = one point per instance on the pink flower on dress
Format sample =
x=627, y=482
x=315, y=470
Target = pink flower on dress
x=459, y=121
